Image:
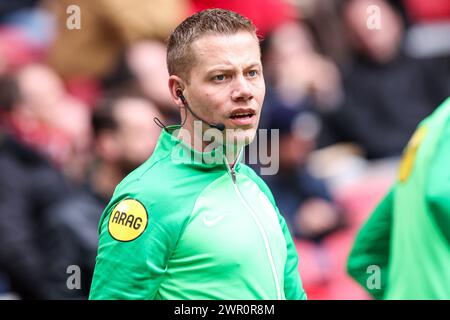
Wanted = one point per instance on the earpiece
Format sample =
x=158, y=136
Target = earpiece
x=180, y=95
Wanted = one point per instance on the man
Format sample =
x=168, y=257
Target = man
x=182, y=226
x=403, y=250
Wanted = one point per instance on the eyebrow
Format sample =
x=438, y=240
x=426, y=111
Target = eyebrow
x=254, y=64
x=219, y=68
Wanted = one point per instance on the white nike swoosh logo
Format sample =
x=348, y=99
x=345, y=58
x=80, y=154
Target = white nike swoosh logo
x=211, y=223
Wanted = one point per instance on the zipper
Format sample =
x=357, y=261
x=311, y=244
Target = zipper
x=233, y=174
x=258, y=223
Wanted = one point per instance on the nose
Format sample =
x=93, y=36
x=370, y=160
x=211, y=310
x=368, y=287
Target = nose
x=242, y=90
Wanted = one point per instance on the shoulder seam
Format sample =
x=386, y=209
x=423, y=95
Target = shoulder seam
x=136, y=179
x=151, y=166
x=270, y=195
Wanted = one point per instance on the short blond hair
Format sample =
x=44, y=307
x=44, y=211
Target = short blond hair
x=180, y=58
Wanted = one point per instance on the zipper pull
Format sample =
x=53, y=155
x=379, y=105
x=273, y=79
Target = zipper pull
x=233, y=174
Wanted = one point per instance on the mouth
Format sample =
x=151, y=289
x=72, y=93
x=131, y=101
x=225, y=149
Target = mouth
x=243, y=116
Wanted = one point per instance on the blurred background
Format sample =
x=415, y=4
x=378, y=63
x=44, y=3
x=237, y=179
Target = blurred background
x=81, y=81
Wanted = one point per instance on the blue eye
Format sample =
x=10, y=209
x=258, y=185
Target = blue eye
x=253, y=73
x=219, y=77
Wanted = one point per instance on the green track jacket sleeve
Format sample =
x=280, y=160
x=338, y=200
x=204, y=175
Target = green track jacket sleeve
x=438, y=185
x=132, y=268
x=371, y=250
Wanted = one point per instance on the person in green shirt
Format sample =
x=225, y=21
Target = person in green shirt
x=403, y=250
x=194, y=222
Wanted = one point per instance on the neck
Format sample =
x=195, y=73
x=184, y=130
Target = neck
x=194, y=139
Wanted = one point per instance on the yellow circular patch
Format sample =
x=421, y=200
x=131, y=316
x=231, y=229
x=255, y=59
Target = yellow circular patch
x=409, y=157
x=128, y=220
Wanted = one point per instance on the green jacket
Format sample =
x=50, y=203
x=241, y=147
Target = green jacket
x=182, y=229
x=408, y=235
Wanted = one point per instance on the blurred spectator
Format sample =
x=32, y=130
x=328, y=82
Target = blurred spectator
x=35, y=252
x=125, y=136
x=57, y=224
x=107, y=28
x=143, y=65
x=297, y=71
x=322, y=18
x=303, y=199
x=51, y=121
x=28, y=189
x=147, y=62
x=385, y=91
x=299, y=81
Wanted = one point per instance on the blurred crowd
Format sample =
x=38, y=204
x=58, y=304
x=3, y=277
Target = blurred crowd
x=82, y=81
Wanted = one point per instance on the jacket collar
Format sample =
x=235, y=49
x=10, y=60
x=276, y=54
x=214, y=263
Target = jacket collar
x=181, y=153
